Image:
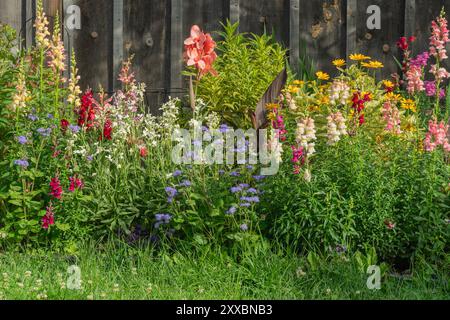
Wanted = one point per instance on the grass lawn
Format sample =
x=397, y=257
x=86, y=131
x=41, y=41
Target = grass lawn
x=122, y=273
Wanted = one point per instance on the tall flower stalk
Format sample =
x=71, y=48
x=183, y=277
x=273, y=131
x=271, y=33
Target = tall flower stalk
x=438, y=40
x=42, y=44
x=57, y=57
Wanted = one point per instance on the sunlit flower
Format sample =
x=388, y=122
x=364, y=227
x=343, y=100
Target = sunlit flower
x=373, y=64
x=199, y=51
x=41, y=25
x=408, y=104
x=339, y=63
x=359, y=57
x=322, y=75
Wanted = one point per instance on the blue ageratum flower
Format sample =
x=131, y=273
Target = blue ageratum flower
x=252, y=191
x=22, y=140
x=22, y=163
x=172, y=193
x=186, y=183
x=74, y=129
x=244, y=227
x=232, y=210
x=162, y=219
x=223, y=128
x=236, y=189
x=44, y=132
x=235, y=174
x=177, y=173
x=33, y=118
x=250, y=199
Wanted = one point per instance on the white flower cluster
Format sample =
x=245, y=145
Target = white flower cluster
x=336, y=128
x=339, y=92
x=306, y=135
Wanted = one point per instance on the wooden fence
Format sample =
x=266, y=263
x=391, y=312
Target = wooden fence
x=154, y=30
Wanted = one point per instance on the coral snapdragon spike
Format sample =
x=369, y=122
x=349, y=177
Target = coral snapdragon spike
x=199, y=51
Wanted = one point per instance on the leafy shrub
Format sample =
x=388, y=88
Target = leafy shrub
x=246, y=67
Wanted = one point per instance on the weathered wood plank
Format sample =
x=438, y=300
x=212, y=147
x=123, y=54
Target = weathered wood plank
x=323, y=32
x=266, y=15
x=294, y=34
x=11, y=13
x=118, y=48
x=176, y=48
x=146, y=35
x=93, y=43
x=380, y=44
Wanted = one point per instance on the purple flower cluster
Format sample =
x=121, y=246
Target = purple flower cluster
x=430, y=89
x=74, y=129
x=421, y=60
x=171, y=193
x=177, y=173
x=44, y=132
x=22, y=140
x=162, y=219
x=231, y=211
x=254, y=199
x=22, y=163
x=186, y=184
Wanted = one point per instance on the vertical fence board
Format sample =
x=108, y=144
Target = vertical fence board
x=372, y=42
x=425, y=12
x=11, y=13
x=145, y=37
x=322, y=34
x=93, y=43
x=266, y=15
x=154, y=31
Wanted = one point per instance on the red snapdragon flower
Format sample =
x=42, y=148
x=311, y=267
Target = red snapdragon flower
x=64, y=125
x=143, y=152
x=86, y=113
x=108, y=130
x=49, y=218
x=56, y=189
x=75, y=184
x=359, y=106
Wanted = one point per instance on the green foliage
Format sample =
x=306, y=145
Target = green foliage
x=358, y=188
x=247, y=65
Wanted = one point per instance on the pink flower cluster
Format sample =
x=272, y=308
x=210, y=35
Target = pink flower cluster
x=298, y=158
x=437, y=136
x=439, y=38
x=430, y=89
x=414, y=75
x=278, y=124
x=391, y=115
x=199, y=51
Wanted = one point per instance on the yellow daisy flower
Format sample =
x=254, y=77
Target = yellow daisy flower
x=409, y=104
x=293, y=89
x=339, y=63
x=298, y=83
x=322, y=75
x=272, y=106
x=359, y=57
x=392, y=96
x=373, y=65
x=388, y=84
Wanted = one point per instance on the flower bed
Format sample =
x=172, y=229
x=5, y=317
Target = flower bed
x=363, y=163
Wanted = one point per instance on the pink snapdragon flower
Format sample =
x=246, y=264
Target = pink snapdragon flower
x=439, y=37
x=391, y=115
x=430, y=89
x=414, y=76
x=336, y=128
x=437, y=136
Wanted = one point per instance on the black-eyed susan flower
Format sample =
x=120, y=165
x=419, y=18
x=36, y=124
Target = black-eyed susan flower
x=373, y=64
x=359, y=57
x=323, y=76
x=409, y=104
x=339, y=63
